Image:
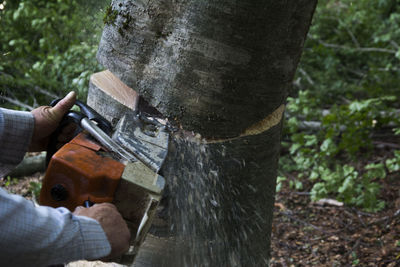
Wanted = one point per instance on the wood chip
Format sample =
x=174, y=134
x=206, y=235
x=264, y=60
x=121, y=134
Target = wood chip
x=329, y=201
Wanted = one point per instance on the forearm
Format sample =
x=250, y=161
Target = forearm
x=16, y=129
x=40, y=236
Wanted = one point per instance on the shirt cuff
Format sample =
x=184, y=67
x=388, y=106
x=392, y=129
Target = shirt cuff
x=16, y=128
x=95, y=242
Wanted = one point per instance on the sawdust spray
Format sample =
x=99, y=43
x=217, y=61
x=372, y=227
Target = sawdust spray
x=204, y=219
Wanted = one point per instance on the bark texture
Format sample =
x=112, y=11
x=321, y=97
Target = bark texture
x=220, y=70
x=217, y=67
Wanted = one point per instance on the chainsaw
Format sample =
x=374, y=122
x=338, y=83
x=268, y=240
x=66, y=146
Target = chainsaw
x=102, y=163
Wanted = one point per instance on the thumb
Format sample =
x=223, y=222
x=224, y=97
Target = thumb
x=63, y=105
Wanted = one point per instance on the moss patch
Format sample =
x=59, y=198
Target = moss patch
x=110, y=16
x=128, y=20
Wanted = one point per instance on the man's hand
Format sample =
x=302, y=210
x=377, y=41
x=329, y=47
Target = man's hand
x=113, y=224
x=46, y=121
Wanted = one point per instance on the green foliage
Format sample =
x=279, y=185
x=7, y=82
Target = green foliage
x=34, y=189
x=328, y=158
x=347, y=84
x=49, y=45
x=348, y=88
x=279, y=181
x=356, y=260
x=10, y=181
x=352, y=51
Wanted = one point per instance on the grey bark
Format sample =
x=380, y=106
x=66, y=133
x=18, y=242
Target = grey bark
x=212, y=65
x=219, y=69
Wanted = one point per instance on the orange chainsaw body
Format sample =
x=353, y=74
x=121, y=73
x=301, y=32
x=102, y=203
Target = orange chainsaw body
x=80, y=172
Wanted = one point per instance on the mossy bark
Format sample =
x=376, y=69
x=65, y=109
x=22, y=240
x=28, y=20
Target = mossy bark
x=219, y=69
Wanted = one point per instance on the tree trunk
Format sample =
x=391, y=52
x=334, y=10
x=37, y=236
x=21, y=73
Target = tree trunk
x=220, y=71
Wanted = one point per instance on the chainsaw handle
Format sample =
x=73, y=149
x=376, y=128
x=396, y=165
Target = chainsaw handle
x=69, y=117
x=75, y=117
x=89, y=113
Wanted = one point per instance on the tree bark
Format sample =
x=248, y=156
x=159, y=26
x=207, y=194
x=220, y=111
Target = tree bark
x=220, y=71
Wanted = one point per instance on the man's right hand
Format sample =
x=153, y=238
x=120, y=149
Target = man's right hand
x=113, y=224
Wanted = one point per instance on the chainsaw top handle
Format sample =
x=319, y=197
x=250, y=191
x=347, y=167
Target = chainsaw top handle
x=75, y=117
x=85, y=112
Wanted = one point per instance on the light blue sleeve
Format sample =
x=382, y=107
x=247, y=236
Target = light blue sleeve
x=16, y=129
x=32, y=235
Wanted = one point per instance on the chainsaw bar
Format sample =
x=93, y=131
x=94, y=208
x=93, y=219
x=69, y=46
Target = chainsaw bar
x=145, y=137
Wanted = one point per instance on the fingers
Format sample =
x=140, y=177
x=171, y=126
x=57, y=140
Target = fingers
x=53, y=115
x=47, y=119
x=78, y=210
x=67, y=133
x=113, y=224
x=63, y=105
x=69, y=129
x=106, y=205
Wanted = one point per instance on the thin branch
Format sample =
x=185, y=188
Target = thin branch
x=301, y=193
x=16, y=102
x=353, y=248
x=45, y=92
x=308, y=78
x=355, y=41
x=360, y=49
x=35, y=103
x=386, y=144
x=352, y=36
x=393, y=43
x=386, y=69
x=356, y=72
x=375, y=49
x=388, y=218
x=10, y=93
x=289, y=214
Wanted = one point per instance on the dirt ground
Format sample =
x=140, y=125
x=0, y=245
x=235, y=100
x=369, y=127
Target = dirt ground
x=311, y=234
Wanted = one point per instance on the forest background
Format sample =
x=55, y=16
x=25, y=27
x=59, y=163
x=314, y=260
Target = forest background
x=341, y=137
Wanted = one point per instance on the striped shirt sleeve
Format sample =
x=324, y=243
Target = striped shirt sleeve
x=16, y=129
x=32, y=235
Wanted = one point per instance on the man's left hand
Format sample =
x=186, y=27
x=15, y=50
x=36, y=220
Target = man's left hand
x=46, y=121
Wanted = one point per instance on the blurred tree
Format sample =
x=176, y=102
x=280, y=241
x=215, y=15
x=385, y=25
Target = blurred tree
x=47, y=48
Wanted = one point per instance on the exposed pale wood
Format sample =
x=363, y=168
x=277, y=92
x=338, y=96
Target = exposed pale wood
x=115, y=88
x=93, y=264
x=106, y=90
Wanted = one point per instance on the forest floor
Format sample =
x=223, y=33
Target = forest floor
x=306, y=233
x=314, y=234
